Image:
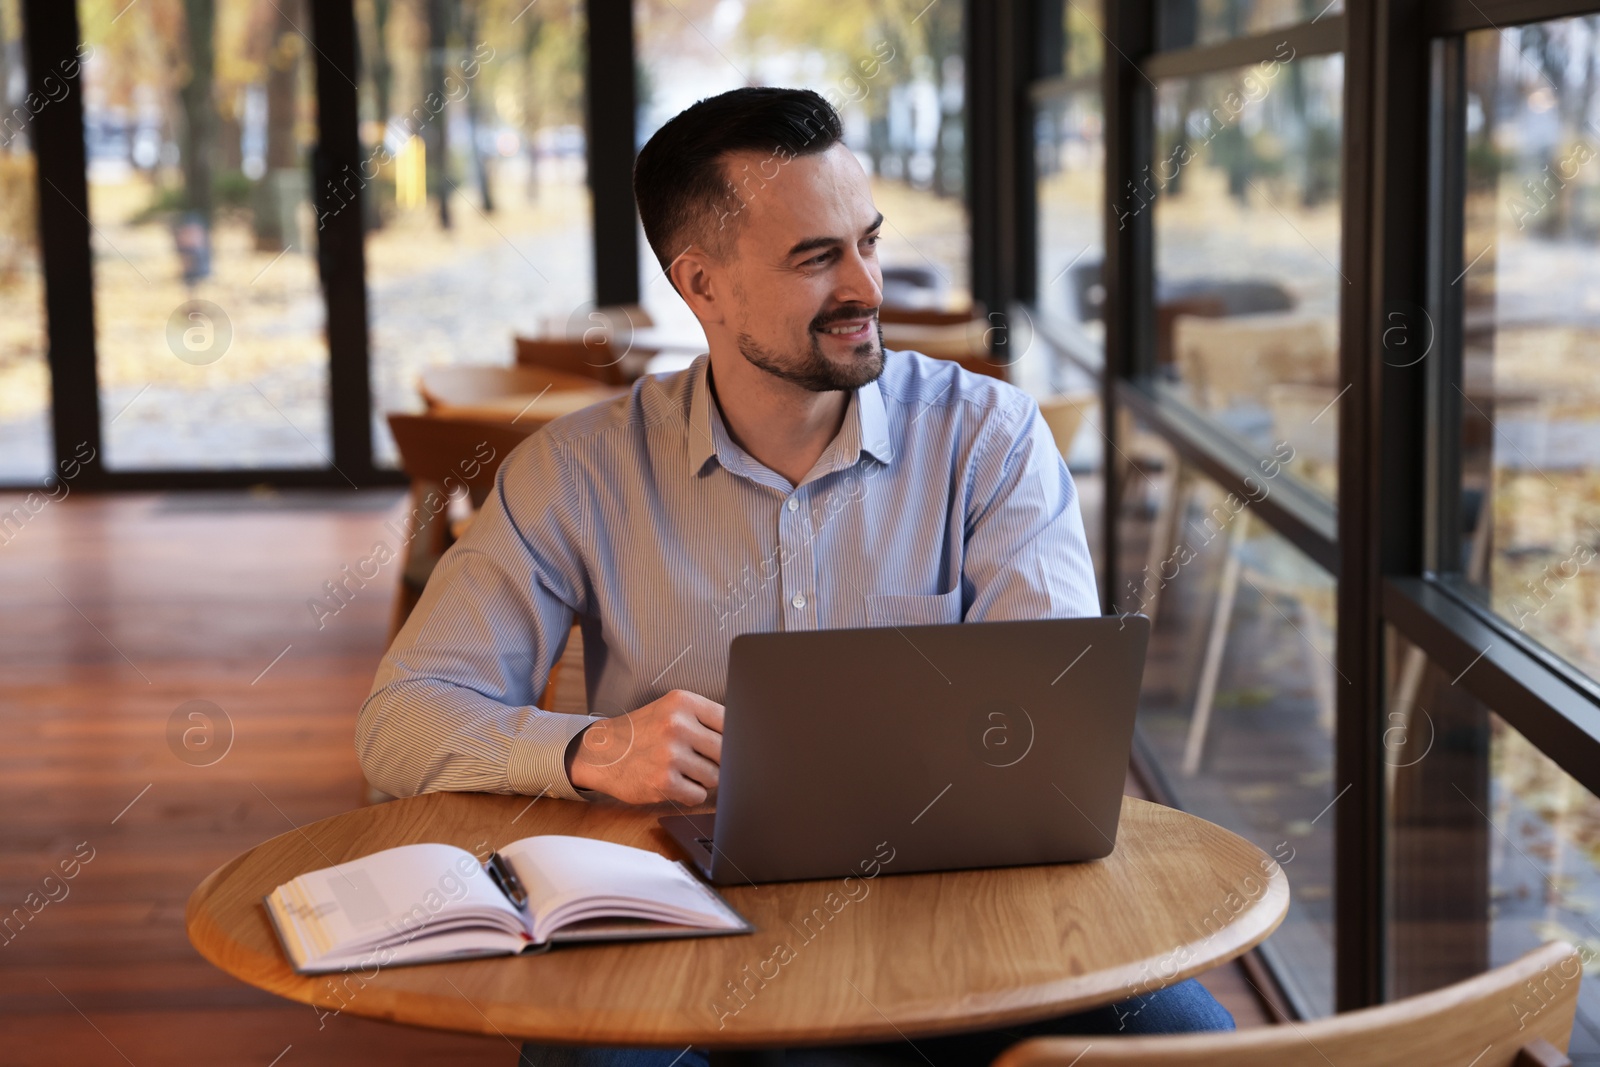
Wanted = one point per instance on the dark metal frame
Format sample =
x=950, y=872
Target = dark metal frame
x=999, y=152
x=611, y=112
x=50, y=35
x=1393, y=541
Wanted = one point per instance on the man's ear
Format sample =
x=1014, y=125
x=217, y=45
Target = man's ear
x=703, y=287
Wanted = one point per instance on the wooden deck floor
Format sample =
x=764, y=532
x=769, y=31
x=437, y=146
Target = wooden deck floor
x=120, y=611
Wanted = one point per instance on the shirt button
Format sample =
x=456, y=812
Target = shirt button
x=799, y=600
x=794, y=505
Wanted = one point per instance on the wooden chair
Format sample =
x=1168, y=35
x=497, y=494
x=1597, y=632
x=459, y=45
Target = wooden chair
x=442, y=456
x=966, y=342
x=594, y=358
x=464, y=385
x=908, y=316
x=1229, y=361
x=1270, y=365
x=1064, y=413
x=1519, y=1015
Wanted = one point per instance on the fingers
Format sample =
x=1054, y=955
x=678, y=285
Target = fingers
x=687, y=793
x=687, y=779
x=704, y=742
x=704, y=709
x=709, y=712
x=698, y=722
x=698, y=769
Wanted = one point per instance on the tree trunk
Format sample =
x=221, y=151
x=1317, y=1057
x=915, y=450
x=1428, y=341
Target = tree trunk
x=276, y=199
x=436, y=135
x=7, y=138
x=199, y=110
x=480, y=159
x=376, y=195
x=382, y=66
x=944, y=46
x=532, y=31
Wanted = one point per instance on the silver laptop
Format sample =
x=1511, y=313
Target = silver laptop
x=920, y=748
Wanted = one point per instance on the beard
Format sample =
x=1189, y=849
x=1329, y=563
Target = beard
x=811, y=369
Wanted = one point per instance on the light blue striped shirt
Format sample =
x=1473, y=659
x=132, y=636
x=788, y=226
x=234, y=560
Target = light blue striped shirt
x=942, y=498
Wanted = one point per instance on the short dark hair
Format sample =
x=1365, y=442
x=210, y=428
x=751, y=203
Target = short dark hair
x=684, y=194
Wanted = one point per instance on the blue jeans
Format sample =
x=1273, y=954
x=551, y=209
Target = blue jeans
x=1182, y=1008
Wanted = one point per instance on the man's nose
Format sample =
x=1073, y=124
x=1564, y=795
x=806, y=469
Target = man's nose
x=858, y=281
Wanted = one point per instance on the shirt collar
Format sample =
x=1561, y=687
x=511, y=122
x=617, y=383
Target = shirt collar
x=865, y=428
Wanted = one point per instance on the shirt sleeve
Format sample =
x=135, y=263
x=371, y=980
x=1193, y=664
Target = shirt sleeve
x=452, y=707
x=1026, y=555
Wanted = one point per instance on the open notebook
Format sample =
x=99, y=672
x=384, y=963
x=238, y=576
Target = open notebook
x=427, y=902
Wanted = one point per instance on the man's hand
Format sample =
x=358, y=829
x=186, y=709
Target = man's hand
x=667, y=750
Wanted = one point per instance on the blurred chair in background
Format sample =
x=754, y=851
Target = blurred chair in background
x=598, y=343
x=443, y=456
x=889, y=315
x=1225, y=364
x=468, y=385
x=450, y=460
x=1065, y=413
x=1265, y=376
x=965, y=341
x=593, y=358
x=526, y=396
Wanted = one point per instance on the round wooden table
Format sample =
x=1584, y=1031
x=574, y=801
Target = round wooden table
x=900, y=956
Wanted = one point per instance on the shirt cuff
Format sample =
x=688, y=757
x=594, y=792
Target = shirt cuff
x=536, y=765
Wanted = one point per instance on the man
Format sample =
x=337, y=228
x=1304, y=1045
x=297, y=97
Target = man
x=795, y=477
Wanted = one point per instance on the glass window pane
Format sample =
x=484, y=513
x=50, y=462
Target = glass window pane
x=473, y=184
x=1069, y=141
x=1530, y=396
x=1492, y=845
x=25, y=442
x=1182, y=23
x=1237, y=710
x=1060, y=366
x=1069, y=157
x=200, y=121
x=1245, y=190
x=898, y=83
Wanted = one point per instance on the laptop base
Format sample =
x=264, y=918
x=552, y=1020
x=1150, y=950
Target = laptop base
x=692, y=835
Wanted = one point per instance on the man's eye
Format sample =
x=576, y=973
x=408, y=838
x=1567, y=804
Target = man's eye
x=817, y=261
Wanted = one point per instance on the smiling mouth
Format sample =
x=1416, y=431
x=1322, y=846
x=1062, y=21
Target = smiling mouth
x=848, y=330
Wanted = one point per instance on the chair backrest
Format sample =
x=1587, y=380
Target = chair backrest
x=1306, y=418
x=592, y=357
x=435, y=450
x=1064, y=414
x=1507, y=1017
x=965, y=341
x=1229, y=360
x=468, y=383
x=910, y=316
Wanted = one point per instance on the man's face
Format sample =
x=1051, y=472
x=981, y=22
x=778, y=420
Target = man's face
x=806, y=280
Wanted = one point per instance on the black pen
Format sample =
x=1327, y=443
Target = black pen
x=504, y=877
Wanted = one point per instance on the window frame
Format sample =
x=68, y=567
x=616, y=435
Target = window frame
x=51, y=36
x=1399, y=451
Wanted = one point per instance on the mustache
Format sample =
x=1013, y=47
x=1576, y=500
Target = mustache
x=843, y=314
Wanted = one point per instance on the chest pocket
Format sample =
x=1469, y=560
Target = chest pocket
x=896, y=609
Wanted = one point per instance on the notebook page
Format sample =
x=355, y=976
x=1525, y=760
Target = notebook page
x=392, y=897
x=572, y=877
